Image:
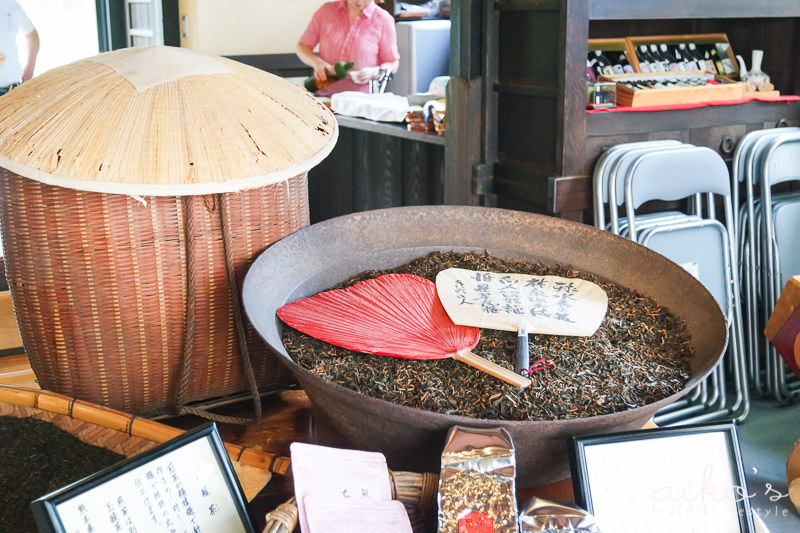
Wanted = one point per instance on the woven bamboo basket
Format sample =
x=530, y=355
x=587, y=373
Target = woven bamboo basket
x=126, y=434
x=137, y=186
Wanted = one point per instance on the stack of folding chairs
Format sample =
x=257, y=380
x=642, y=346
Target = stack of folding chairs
x=768, y=244
x=627, y=176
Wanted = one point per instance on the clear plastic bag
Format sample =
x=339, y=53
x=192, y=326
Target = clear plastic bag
x=546, y=516
x=476, y=484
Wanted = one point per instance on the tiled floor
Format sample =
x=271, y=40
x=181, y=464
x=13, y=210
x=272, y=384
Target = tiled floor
x=766, y=439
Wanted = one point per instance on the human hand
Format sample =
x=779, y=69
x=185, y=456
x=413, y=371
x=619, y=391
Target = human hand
x=321, y=70
x=365, y=74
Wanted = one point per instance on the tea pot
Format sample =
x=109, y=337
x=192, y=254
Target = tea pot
x=755, y=79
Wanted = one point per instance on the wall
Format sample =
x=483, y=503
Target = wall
x=242, y=27
x=67, y=31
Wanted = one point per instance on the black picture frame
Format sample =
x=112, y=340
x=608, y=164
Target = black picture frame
x=675, y=478
x=116, y=493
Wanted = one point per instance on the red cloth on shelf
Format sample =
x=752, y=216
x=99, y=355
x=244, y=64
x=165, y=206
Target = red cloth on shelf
x=787, y=98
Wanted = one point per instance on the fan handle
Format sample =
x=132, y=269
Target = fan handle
x=509, y=376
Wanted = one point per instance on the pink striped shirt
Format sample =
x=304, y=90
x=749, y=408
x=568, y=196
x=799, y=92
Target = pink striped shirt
x=368, y=41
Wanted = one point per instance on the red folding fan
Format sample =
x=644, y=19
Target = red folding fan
x=398, y=315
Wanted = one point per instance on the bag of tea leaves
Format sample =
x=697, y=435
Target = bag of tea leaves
x=545, y=516
x=476, y=484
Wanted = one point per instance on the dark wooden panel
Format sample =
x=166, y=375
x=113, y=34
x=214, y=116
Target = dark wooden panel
x=721, y=139
x=560, y=196
x=463, y=150
x=528, y=5
x=779, y=39
x=518, y=189
x=631, y=28
x=795, y=88
x=376, y=171
x=525, y=56
x=569, y=194
x=330, y=184
x=572, y=106
x=368, y=170
x=414, y=184
x=286, y=65
x=551, y=90
x=526, y=130
x=466, y=44
x=422, y=174
x=597, y=145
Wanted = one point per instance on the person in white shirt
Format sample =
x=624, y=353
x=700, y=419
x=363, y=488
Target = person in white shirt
x=13, y=22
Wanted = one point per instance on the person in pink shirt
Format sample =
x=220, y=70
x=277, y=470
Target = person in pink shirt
x=350, y=30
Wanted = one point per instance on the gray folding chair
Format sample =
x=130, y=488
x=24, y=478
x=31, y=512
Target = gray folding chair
x=745, y=169
x=780, y=164
x=615, y=186
x=604, y=166
x=682, y=173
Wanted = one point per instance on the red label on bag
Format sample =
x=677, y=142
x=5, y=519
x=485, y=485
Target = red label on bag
x=476, y=523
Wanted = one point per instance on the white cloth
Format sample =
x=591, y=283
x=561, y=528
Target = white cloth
x=13, y=22
x=386, y=107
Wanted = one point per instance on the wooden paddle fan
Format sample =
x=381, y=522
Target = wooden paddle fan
x=398, y=315
x=549, y=305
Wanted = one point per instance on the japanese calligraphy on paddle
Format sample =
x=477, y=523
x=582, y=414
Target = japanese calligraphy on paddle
x=549, y=305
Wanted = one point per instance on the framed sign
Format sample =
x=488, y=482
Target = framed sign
x=663, y=480
x=186, y=484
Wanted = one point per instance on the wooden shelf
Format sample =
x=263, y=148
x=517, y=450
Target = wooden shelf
x=393, y=129
x=640, y=122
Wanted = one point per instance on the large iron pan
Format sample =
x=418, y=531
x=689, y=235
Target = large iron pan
x=324, y=254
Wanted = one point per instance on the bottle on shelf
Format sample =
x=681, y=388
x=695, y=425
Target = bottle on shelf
x=728, y=61
x=644, y=58
x=680, y=57
x=688, y=52
x=671, y=63
x=708, y=62
x=591, y=73
x=608, y=67
x=658, y=62
x=715, y=57
x=624, y=65
x=603, y=66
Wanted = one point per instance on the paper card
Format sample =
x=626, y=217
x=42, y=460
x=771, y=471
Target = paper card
x=326, y=515
x=549, y=305
x=337, y=474
x=684, y=489
x=184, y=484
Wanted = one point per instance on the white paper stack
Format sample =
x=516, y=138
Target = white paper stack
x=344, y=491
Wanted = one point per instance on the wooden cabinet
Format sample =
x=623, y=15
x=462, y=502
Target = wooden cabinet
x=376, y=165
x=545, y=144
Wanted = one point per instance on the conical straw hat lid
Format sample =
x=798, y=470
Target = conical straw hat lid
x=162, y=121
